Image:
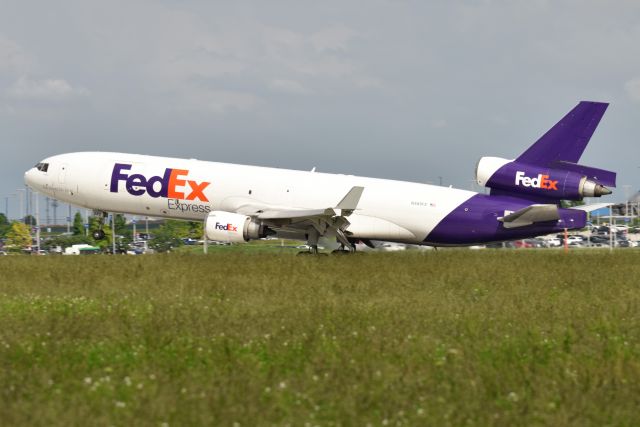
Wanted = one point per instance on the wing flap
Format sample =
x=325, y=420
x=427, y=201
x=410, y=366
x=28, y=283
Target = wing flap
x=295, y=213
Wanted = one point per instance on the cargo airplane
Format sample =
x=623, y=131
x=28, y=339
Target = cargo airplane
x=239, y=203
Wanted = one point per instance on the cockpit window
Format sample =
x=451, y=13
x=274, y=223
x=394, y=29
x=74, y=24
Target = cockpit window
x=42, y=167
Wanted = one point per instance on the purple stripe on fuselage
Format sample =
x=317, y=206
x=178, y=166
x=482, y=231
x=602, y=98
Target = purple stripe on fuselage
x=476, y=221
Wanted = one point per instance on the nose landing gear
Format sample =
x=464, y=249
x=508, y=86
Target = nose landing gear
x=99, y=233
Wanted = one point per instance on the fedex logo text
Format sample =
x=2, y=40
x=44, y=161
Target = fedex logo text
x=226, y=227
x=541, y=181
x=172, y=184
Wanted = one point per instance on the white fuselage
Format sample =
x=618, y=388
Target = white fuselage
x=387, y=210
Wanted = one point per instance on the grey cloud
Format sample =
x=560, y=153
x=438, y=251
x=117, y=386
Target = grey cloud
x=46, y=89
x=438, y=123
x=13, y=58
x=289, y=86
x=334, y=38
x=632, y=87
x=216, y=101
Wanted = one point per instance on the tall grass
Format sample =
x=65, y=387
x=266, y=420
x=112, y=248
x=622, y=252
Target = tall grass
x=438, y=338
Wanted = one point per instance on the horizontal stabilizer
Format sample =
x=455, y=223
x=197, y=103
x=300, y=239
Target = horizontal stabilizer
x=529, y=215
x=591, y=208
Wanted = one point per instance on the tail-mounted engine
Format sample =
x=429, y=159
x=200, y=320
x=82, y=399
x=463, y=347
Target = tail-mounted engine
x=559, y=181
x=232, y=227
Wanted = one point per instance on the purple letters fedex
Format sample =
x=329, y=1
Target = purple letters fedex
x=169, y=184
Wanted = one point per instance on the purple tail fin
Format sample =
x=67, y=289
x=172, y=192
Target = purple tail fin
x=549, y=171
x=566, y=141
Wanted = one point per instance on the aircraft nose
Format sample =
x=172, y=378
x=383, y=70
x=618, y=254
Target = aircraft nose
x=34, y=179
x=28, y=178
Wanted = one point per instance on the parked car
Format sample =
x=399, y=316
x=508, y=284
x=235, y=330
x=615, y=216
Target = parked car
x=81, y=249
x=495, y=245
x=624, y=243
x=526, y=243
x=602, y=230
x=553, y=242
x=575, y=238
x=599, y=240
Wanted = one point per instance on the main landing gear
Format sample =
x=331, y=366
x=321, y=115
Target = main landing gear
x=346, y=247
x=345, y=250
x=312, y=242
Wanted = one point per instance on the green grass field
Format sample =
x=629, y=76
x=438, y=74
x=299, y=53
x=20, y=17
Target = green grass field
x=438, y=338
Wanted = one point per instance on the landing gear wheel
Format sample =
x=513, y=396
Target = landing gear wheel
x=313, y=250
x=345, y=249
x=340, y=252
x=99, y=233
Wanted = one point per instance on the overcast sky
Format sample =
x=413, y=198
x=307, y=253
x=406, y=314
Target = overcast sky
x=410, y=90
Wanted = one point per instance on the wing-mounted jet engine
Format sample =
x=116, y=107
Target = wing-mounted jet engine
x=548, y=171
x=232, y=227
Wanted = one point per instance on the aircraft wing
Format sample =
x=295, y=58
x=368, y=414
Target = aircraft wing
x=328, y=219
x=529, y=215
x=346, y=206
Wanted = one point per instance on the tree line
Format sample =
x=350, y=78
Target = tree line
x=17, y=235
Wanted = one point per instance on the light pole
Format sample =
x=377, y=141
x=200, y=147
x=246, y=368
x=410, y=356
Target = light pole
x=37, y=222
x=21, y=195
x=27, y=200
x=54, y=205
x=6, y=205
x=626, y=197
x=113, y=233
x=47, y=203
x=610, y=228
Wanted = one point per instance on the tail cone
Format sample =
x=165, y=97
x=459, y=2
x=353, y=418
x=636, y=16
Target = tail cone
x=601, y=190
x=593, y=189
